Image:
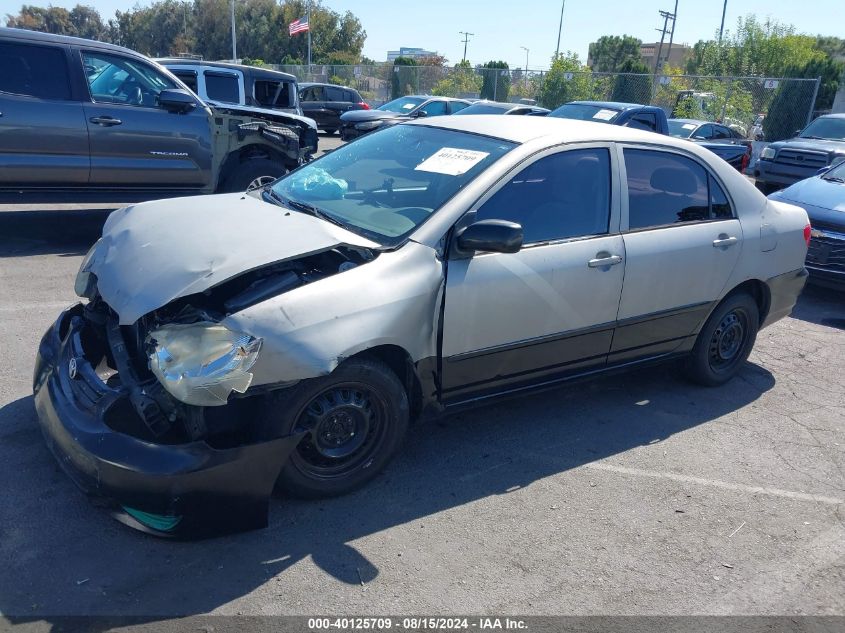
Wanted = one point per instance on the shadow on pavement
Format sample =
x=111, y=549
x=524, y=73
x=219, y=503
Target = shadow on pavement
x=822, y=306
x=42, y=232
x=59, y=555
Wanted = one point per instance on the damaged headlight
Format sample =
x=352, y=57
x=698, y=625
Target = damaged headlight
x=202, y=363
x=86, y=281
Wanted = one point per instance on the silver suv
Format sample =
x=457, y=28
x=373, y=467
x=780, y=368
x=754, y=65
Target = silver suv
x=423, y=267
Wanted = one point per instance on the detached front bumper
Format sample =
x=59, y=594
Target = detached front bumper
x=187, y=490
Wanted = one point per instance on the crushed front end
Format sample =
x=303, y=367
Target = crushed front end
x=162, y=466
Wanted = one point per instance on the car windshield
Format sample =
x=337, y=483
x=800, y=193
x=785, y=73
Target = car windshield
x=836, y=174
x=585, y=112
x=832, y=128
x=386, y=184
x=486, y=108
x=681, y=129
x=402, y=104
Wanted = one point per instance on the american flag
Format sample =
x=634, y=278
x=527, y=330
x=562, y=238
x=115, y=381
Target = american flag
x=298, y=26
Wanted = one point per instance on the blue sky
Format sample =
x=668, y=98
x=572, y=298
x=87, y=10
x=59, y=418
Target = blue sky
x=501, y=27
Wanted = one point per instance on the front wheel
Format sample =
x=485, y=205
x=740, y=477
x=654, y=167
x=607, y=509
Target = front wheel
x=725, y=341
x=353, y=420
x=252, y=173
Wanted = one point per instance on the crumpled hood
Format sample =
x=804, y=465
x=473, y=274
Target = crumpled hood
x=155, y=252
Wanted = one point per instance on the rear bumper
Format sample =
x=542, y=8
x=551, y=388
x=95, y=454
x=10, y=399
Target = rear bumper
x=783, y=294
x=191, y=489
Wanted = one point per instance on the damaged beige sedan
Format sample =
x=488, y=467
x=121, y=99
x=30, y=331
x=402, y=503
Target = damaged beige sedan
x=292, y=333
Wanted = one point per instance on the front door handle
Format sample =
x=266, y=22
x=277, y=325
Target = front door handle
x=604, y=259
x=105, y=121
x=724, y=241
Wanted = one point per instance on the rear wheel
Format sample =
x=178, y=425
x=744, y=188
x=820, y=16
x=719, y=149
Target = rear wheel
x=252, y=173
x=353, y=422
x=725, y=341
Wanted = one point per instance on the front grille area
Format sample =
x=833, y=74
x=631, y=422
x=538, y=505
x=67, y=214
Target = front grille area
x=801, y=158
x=828, y=252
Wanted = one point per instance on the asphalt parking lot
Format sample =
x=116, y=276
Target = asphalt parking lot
x=639, y=494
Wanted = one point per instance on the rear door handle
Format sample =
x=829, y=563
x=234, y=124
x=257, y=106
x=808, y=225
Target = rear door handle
x=723, y=241
x=105, y=121
x=604, y=259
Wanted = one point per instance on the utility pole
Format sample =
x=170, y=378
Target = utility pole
x=560, y=28
x=722, y=28
x=234, y=40
x=665, y=15
x=525, y=72
x=672, y=33
x=466, y=39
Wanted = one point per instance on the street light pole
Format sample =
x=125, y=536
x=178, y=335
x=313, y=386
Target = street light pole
x=722, y=28
x=560, y=28
x=234, y=40
x=525, y=72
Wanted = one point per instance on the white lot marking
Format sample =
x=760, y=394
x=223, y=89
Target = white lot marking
x=775, y=492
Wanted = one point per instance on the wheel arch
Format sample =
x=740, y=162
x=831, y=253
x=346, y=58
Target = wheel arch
x=248, y=152
x=758, y=290
x=399, y=361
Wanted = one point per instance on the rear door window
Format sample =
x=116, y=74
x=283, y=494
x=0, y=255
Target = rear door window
x=335, y=94
x=273, y=94
x=666, y=189
x=222, y=87
x=34, y=71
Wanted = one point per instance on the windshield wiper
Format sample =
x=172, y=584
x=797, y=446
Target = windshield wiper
x=833, y=178
x=304, y=207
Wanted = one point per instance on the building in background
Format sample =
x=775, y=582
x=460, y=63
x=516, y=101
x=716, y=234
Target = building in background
x=676, y=58
x=407, y=51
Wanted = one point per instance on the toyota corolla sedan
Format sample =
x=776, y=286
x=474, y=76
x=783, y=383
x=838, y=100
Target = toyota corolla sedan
x=291, y=334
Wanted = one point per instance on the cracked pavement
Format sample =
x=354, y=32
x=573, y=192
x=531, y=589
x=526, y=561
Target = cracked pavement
x=633, y=494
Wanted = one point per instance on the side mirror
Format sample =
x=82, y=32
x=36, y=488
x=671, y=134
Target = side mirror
x=798, y=132
x=493, y=236
x=176, y=100
x=419, y=113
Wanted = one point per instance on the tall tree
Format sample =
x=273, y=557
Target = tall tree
x=610, y=52
x=496, y=81
x=633, y=85
x=567, y=80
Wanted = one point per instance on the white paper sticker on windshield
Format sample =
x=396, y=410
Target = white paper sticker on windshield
x=689, y=126
x=605, y=115
x=408, y=106
x=451, y=161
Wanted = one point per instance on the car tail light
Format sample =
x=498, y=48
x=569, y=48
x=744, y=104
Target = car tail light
x=746, y=158
x=807, y=230
x=363, y=105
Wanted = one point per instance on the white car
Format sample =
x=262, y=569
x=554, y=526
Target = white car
x=294, y=331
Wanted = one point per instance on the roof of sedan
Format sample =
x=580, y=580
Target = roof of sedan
x=520, y=129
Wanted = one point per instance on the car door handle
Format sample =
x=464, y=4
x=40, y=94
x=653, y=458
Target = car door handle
x=106, y=121
x=723, y=241
x=604, y=259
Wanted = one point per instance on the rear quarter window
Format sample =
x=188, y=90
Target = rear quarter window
x=34, y=71
x=222, y=87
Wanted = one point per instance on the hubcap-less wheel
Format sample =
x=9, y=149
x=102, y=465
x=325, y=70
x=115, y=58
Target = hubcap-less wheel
x=728, y=341
x=345, y=427
x=260, y=182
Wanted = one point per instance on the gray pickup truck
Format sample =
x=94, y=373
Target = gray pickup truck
x=83, y=120
x=818, y=145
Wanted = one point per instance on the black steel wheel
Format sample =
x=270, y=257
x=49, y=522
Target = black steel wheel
x=725, y=341
x=353, y=422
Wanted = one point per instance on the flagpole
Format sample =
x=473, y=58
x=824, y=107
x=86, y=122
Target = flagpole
x=308, y=18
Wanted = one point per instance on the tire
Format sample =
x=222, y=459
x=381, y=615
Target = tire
x=330, y=131
x=250, y=172
x=725, y=341
x=355, y=420
x=765, y=188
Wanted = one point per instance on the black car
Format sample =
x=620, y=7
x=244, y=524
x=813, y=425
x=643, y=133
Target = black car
x=358, y=123
x=498, y=107
x=326, y=102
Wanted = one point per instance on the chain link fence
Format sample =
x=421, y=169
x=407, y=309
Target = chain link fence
x=759, y=108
